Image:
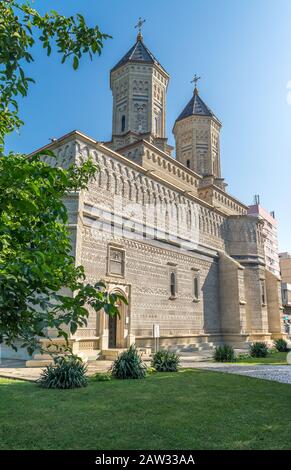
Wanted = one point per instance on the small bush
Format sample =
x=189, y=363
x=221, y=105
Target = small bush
x=224, y=353
x=166, y=361
x=258, y=350
x=281, y=345
x=243, y=357
x=151, y=370
x=66, y=372
x=102, y=376
x=129, y=365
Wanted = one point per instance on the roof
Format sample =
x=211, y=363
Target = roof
x=196, y=107
x=139, y=53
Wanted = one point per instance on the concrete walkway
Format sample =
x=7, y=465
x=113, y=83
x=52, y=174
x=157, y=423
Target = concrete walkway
x=14, y=369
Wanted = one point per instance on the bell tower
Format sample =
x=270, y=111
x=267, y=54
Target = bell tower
x=139, y=85
x=197, y=136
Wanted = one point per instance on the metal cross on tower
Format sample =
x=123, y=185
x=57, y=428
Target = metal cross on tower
x=139, y=26
x=195, y=80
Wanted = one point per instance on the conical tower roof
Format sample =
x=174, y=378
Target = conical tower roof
x=139, y=53
x=196, y=107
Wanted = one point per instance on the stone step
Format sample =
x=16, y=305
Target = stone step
x=196, y=357
x=38, y=363
x=92, y=355
x=43, y=360
x=110, y=354
x=42, y=357
x=191, y=348
x=146, y=353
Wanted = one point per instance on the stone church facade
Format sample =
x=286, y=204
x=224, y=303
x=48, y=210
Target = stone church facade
x=164, y=231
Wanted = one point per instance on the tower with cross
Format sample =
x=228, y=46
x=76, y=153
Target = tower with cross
x=139, y=85
x=197, y=136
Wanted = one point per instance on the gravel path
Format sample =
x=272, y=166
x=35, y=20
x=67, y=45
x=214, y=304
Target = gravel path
x=268, y=372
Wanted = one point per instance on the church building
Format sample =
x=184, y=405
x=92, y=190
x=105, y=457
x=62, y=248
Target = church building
x=164, y=231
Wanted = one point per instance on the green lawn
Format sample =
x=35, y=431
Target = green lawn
x=192, y=409
x=276, y=358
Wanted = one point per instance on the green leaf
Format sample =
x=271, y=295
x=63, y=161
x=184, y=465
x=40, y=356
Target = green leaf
x=75, y=63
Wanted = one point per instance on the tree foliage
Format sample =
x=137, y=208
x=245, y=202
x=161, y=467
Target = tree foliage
x=37, y=268
x=20, y=24
x=41, y=288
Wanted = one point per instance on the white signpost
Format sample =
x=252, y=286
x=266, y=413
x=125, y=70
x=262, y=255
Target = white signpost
x=156, y=336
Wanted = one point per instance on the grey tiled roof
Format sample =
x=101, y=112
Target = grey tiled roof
x=196, y=106
x=138, y=53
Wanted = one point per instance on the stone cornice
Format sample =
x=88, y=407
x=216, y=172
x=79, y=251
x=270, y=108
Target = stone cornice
x=224, y=193
x=200, y=118
x=77, y=135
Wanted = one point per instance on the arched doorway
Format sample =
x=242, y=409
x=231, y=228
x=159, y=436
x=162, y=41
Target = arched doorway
x=112, y=330
x=118, y=325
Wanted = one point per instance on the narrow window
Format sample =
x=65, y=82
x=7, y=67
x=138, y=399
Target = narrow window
x=188, y=163
x=196, y=287
x=263, y=292
x=123, y=123
x=173, y=286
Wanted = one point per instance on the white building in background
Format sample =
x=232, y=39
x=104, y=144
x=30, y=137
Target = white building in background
x=270, y=234
x=285, y=266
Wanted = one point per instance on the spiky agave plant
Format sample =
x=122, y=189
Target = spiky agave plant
x=66, y=372
x=166, y=361
x=224, y=353
x=129, y=365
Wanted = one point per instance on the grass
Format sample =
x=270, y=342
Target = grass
x=191, y=409
x=275, y=358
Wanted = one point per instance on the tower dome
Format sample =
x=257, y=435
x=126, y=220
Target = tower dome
x=139, y=84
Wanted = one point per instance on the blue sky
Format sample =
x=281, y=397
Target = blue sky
x=242, y=50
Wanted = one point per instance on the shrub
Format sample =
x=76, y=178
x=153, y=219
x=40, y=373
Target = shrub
x=258, y=350
x=224, y=353
x=66, y=372
x=129, y=365
x=166, y=361
x=281, y=345
x=102, y=376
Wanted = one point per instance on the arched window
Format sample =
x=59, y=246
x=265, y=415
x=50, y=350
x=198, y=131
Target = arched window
x=196, y=286
x=188, y=163
x=123, y=123
x=173, y=284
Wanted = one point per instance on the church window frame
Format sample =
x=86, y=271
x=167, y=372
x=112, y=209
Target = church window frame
x=116, y=261
x=263, y=292
x=173, y=285
x=123, y=121
x=196, y=289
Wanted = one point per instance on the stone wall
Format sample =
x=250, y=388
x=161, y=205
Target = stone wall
x=273, y=290
x=195, y=239
x=232, y=296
